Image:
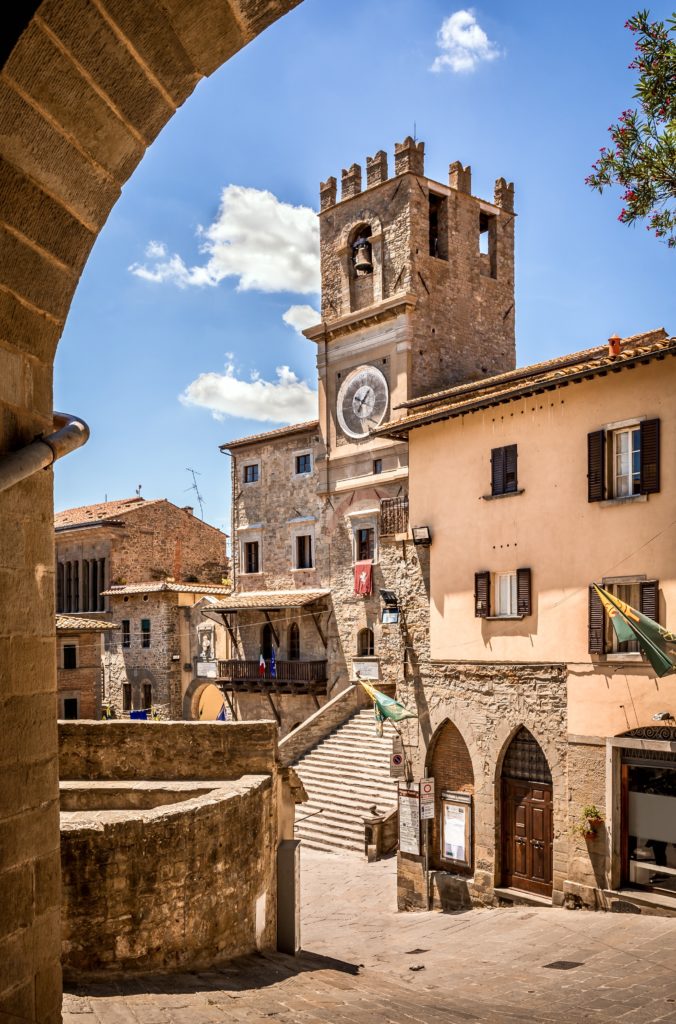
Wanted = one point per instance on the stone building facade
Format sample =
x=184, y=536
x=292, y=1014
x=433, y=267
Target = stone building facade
x=411, y=302
x=553, y=740
x=79, y=651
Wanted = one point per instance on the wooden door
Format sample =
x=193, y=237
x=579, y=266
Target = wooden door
x=527, y=836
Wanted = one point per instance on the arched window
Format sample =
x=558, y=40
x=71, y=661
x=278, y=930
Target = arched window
x=293, y=642
x=266, y=640
x=365, y=644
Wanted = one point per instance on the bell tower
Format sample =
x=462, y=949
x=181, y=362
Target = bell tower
x=417, y=284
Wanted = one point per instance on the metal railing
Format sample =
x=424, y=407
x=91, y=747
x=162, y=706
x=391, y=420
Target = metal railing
x=285, y=671
x=394, y=515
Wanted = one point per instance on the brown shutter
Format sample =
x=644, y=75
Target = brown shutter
x=523, y=592
x=498, y=471
x=650, y=599
x=597, y=634
x=650, y=456
x=510, y=468
x=482, y=594
x=596, y=465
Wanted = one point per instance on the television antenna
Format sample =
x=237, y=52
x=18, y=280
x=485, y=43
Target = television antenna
x=195, y=488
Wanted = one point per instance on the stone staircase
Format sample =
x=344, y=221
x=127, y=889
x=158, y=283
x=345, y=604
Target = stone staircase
x=344, y=776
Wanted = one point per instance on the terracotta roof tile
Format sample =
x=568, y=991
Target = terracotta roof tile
x=529, y=380
x=72, y=622
x=295, y=428
x=269, y=599
x=102, y=511
x=164, y=586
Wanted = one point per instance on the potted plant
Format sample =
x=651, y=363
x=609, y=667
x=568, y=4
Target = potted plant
x=590, y=819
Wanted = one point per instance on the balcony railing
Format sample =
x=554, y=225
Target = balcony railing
x=394, y=515
x=289, y=677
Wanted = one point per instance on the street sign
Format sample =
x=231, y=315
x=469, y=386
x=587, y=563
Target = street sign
x=409, y=818
x=397, y=760
x=426, y=798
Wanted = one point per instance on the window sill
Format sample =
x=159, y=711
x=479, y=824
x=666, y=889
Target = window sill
x=503, y=618
x=259, y=573
x=628, y=500
x=507, y=494
x=309, y=568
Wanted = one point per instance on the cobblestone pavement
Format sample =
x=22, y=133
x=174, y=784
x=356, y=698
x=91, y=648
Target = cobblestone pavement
x=365, y=964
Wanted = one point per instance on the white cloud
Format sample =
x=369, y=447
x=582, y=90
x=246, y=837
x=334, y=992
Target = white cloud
x=463, y=43
x=284, y=400
x=270, y=246
x=300, y=317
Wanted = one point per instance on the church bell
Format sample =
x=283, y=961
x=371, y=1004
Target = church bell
x=361, y=256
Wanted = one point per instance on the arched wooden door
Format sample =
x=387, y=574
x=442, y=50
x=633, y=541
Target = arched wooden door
x=526, y=816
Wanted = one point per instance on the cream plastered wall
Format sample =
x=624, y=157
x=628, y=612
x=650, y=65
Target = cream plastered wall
x=551, y=528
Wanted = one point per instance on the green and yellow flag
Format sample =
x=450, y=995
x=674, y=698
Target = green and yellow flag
x=386, y=707
x=630, y=624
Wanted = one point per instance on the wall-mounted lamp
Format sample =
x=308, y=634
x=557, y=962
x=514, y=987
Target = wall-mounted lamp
x=421, y=535
x=389, y=615
x=663, y=716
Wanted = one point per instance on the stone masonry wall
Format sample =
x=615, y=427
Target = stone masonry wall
x=202, y=892
x=166, y=750
x=84, y=91
x=138, y=665
x=83, y=682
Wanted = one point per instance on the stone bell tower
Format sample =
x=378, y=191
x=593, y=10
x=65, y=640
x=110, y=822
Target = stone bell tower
x=417, y=283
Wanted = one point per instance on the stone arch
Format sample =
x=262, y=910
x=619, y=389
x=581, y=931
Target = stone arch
x=360, y=292
x=449, y=763
x=86, y=88
x=460, y=715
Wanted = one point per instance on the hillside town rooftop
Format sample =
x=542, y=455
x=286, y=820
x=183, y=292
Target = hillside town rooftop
x=270, y=599
x=295, y=428
x=72, y=622
x=161, y=586
x=529, y=380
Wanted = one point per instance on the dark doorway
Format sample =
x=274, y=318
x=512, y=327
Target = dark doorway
x=266, y=641
x=526, y=816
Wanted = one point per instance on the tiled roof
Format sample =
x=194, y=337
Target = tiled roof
x=295, y=428
x=529, y=380
x=101, y=512
x=72, y=622
x=269, y=600
x=164, y=586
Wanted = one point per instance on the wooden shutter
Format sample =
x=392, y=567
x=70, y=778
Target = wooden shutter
x=650, y=456
x=596, y=465
x=498, y=471
x=523, y=592
x=510, y=467
x=650, y=599
x=482, y=594
x=597, y=632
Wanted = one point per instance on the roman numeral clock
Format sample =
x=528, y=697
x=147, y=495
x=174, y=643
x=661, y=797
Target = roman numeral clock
x=362, y=401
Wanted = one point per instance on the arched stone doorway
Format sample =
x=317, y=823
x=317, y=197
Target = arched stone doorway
x=450, y=765
x=86, y=87
x=526, y=820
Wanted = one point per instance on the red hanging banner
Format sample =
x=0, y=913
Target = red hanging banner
x=363, y=578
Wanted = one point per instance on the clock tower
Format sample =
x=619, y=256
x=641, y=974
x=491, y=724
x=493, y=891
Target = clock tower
x=417, y=296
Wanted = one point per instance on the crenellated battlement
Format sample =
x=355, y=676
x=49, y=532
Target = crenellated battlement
x=409, y=158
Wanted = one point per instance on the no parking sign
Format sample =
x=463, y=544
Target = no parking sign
x=427, y=798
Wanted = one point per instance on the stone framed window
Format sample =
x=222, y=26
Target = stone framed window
x=302, y=463
x=251, y=472
x=145, y=632
x=69, y=654
x=251, y=560
x=365, y=535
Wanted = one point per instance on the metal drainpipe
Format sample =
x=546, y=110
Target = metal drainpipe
x=71, y=433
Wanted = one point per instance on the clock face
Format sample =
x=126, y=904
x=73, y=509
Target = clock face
x=362, y=401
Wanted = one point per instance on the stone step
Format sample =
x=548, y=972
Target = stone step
x=341, y=773
x=338, y=826
x=337, y=838
x=362, y=797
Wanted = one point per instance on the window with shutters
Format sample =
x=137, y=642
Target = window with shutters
x=503, y=470
x=623, y=461
x=505, y=593
x=502, y=595
x=639, y=593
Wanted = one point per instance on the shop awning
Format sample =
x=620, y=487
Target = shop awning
x=269, y=600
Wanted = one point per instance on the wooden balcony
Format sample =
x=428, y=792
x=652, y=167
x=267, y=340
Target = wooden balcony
x=300, y=677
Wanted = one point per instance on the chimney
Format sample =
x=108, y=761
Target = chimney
x=189, y=509
x=614, y=343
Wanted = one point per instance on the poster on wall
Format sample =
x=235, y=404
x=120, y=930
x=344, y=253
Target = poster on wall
x=409, y=818
x=456, y=831
x=206, y=651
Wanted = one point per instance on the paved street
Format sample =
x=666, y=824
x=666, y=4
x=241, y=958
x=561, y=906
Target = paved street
x=363, y=962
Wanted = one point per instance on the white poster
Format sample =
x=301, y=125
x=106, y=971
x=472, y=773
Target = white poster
x=409, y=821
x=455, y=817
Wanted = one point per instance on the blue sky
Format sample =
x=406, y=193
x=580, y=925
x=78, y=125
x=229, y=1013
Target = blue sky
x=332, y=82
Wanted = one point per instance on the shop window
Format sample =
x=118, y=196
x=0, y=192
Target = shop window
x=648, y=802
x=145, y=632
x=251, y=556
x=365, y=643
x=70, y=655
x=293, y=643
